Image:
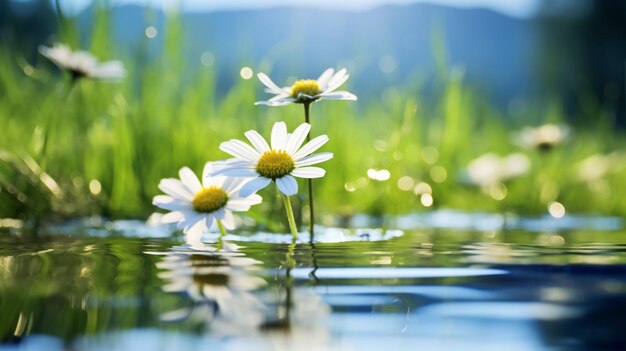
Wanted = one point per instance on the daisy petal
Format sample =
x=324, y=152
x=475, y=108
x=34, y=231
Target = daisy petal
x=340, y=95
x=337, y=80
x=309, y=147
x=219, y=214
x=232, y=184
x=169, y=203
x=228, y=164
x=253, y=186
x=172, y=217
x=313, y=159
x=280, y=96
x=189, y=179
x=279, y=136
x=175, y=188
x=287, y=185
x=229, y=220
x=269, y=83
x=239, y=172
x=323, y=79
x=240, y=150
x=297, y=138
x=257, y=141
x=278, y=102
x=243, y=204
x=308, y=172
x=193, y=233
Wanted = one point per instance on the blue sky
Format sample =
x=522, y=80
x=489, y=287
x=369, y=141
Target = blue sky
x=517, y=8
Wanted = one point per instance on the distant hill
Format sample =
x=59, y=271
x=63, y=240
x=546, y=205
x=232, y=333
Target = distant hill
x=496, y=50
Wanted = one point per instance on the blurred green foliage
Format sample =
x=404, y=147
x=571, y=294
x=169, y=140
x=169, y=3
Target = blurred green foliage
x=109, y=144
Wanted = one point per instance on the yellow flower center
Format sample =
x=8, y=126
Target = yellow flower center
x=209, y=199
x=275, y=164
x=307, y=86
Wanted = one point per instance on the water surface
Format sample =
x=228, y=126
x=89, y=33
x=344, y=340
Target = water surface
x=430, y=289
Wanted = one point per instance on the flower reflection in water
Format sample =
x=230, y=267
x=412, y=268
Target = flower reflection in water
x=220, y=284
x=306, y=327
x=229, y=299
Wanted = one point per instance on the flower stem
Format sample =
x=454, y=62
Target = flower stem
x=290, y=218
x=221, y=228
x=309, y=181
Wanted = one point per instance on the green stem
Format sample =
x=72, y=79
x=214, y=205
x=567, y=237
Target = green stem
x=220, y=240
x=48, y=124
x=309, y=181
x=223, y=232
x=290, y=217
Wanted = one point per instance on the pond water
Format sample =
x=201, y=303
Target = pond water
x=125, y=286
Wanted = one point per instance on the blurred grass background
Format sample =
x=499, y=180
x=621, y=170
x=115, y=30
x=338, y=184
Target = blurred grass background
x=111, y=143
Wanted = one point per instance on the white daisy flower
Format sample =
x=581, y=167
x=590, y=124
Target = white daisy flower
x=82, y=64
x=308, y=90
x=196, y=205
x=543, y=137
x=490, y=169
x=281, y=162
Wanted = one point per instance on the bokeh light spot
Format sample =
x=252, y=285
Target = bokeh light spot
x=246, y=73
x=438, y=174
x=151, y=32
x=556, y=209
x=426, y=200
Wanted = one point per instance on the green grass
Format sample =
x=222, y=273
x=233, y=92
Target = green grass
x=164, y=115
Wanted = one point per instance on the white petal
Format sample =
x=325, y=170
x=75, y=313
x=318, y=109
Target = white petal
x=243, y=204
x=308, y=172
x=280, y=102
x=297, y=138
x=169, y=203
x=233, y=184
x=339, y=95
x=219, y=214
x=280, y=96
x=310, y=147
x=257, y=141
x=253, y=186
x=172, y=217
x=239, y=172
x=337, y=80
x=210, y=168
x=323, y=79
x=232, y=163
x=240, y=150
x=269, y=83
x=175, y=188
x=313, y=159
x=110, y=70
x=189, y=179
x=193, y=233
x=287, y=185
x=229, y=221
x=279, y=136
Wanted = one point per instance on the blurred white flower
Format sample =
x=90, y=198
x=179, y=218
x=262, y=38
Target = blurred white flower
x=82, y=64
x=596, y=167
x=543, y=137
x=308, y=90
x=282, y=162
x=490, y=169
x=196, y=205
